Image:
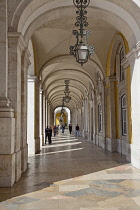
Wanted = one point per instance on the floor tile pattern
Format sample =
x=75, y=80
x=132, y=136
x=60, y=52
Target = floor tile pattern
x=74, y=174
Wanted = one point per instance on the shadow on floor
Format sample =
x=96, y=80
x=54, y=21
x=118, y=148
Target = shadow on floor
x=66, y=158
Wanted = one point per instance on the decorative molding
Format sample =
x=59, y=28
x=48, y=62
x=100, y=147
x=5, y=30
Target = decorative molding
x=19, y=38
x=121, y=84
x=31, y=78
x=110, y=79
x=99, y=99
x=26, y=56
x=134, y=53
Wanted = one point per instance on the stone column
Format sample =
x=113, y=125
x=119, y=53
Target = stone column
x=84, y=118
x=94, y=117
x=31, y=115
x=37, y=116
x=103, y=145
x=47, y=113
x=91, y=120
x=70, y=116
x=7, y=119
x=111, y=143
x=134, y=60
x=15, y=48
x=50, y=116
x=88, y=119
x=73, y=120
x=41, y=114
x=43, y=118
x=24, y=147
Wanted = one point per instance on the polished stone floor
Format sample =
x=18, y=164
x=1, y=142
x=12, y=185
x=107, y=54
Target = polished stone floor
x=74, y=174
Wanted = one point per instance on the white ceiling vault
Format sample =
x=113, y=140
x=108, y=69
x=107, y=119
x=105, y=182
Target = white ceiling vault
x=49, y=24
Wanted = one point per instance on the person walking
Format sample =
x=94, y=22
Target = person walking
x=55, y=130
x=50, y=135
x=63, y=128
x=47, y=134
x=70, y=128
x=77, y=130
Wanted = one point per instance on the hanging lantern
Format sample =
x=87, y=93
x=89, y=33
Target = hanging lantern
x=81, y=50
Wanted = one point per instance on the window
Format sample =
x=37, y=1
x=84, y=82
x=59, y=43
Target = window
x=100, y=117
x=124, y=115
x=122, y=72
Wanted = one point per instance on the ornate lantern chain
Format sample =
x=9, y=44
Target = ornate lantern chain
x=81, y=50
x=67, y=98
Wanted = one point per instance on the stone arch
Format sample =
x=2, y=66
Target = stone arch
x=114, y=47
x=40, y=7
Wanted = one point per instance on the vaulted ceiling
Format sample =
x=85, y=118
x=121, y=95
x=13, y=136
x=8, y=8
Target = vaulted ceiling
x=52, y=38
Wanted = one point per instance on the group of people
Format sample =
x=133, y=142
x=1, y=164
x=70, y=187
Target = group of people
x=77, y=133
x=55, y=130
x=48, y=132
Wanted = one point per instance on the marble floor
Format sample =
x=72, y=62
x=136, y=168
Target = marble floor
x=74, y=174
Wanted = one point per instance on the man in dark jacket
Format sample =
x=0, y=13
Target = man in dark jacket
x=77, y=130
x=50, y=136
x=47, y=134
x=70, y=128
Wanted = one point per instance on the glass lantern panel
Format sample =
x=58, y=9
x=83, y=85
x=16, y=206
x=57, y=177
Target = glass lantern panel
x=82, y=54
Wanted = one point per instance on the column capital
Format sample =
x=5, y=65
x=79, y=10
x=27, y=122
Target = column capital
x=18, y=40
x=31, y=78
x=134, y=53
x=41, y=91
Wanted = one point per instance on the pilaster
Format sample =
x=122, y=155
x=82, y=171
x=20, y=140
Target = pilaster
x=133, y=57
x=111, y=143
x=16, y=46
x=25, y=62
x=31, y=114
x=37, y=116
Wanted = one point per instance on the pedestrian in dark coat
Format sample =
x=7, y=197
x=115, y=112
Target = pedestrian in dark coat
x=70, y=128
x=47, y=134
x=50, y=136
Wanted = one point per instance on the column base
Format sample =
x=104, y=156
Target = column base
x=24, y=158
x=121, y=146
x=135, y=155
x=37, y=145
x=85, y=135
x=88, y=136
x=128, y=152
x=18, y=165
x=91, y=137
x=43, y=139
x=7, y=170
x=97, y=140
x=94, y=138
x=82, y=133
x=7, y=129
x=111, y=145
x=102, y=142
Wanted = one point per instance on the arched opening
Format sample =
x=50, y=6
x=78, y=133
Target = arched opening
x=62, y=118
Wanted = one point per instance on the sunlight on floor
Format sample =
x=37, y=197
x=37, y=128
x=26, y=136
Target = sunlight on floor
x=75, y=176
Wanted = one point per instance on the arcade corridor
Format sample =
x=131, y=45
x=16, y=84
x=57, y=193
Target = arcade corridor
x=74, y=174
